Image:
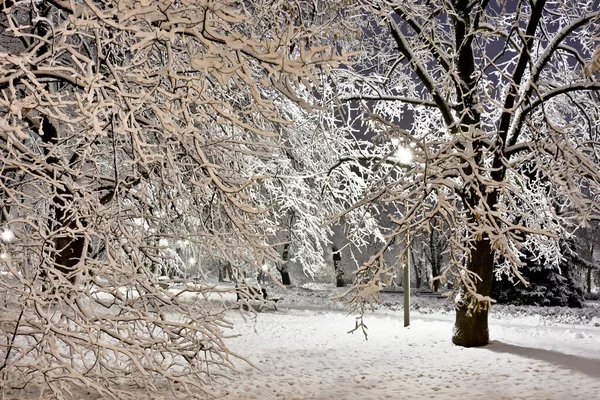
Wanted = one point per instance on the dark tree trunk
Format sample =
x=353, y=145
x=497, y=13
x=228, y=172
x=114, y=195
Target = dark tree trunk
x=285, y=277
x=474, y=331
x=339, y=272
x=471, y=326
x=226, y=272
x=434, y=259
x=588, y=280
x=436, y=284
x=285, y=256
x=417, y=263
x=436, y=270
x=68, y=254
x=68, y=248
x=418, y=267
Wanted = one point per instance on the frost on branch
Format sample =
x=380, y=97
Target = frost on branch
x=126, y=127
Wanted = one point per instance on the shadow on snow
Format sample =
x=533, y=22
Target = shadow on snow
x=589, y=366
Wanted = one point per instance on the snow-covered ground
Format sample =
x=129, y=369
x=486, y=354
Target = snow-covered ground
x=308, y=354
x=303, y=351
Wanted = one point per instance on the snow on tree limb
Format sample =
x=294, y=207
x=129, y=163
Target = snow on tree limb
x=508, y=158
x=127, y=127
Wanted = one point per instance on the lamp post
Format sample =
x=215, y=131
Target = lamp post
x=406, y=283
x=404, y=156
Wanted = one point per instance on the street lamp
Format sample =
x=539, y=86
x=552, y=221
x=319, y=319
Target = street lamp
x=7, y=235
x=403, y=155
x=406, y=283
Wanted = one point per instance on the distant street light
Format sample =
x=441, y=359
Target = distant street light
x=402, y=154
x=7, y=235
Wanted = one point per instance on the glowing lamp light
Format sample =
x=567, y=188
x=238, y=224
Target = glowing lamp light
x=404, y=155
x=7, y=235
x=192, y=261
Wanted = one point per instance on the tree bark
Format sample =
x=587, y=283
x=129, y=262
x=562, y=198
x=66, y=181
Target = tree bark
x=285, y=256
x=339, y=272
x=471, y=329
x=68, y=254
x=68, y=248
x=285, y=277
x=588, y=280
x=471, y=326
x=417, y=267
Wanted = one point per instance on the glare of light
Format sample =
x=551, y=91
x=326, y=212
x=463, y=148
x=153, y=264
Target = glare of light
x=3, y=256
x=192, y=261
x=404, y=155
x=7, y=235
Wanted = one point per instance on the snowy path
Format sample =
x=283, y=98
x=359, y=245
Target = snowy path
x=308, y=355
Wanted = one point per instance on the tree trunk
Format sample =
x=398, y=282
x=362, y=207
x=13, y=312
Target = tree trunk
x=436, y=285
x=285, y=277
x=417, y=266
x=588, y=280
x=471, y=326
x=339, y=272
x=435, y=272
x=471, y=330
x=285, y=256
x=68, y=255
x=68, y=248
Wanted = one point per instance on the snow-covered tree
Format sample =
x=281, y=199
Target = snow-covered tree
x=125, y=127
x=304, y=191
x=497, y=101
